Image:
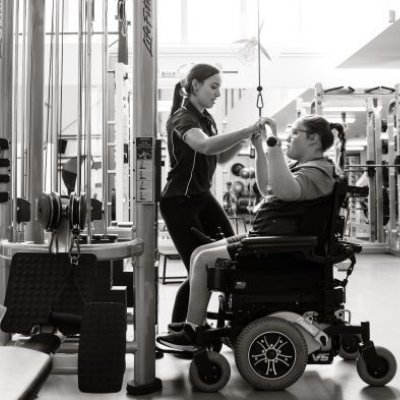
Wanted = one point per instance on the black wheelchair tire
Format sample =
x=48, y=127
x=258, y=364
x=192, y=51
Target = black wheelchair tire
x=367, y=377
x=222, y=373
x=276, y=328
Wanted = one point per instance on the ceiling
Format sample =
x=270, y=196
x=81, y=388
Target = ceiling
x=381, y=52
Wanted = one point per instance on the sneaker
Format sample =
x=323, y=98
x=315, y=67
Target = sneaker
x=175, y=327
x=182, y=340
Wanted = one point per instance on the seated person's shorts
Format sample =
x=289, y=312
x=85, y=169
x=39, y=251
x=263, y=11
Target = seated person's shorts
x=234, y=243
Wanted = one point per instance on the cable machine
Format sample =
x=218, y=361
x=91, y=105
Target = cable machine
x=382, y=237
x=69, y=242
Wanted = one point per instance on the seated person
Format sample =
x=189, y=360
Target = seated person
x=291, y=189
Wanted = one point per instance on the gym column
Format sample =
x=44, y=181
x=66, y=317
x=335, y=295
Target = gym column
x=144, y=129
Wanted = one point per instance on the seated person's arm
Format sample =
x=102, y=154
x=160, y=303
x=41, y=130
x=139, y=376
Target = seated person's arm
x=261, y=166
x=283, y=184
x=261, y=159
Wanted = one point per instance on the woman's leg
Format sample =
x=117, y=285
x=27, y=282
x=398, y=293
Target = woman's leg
x=180, y=215
x=199, y=293
x=213, y=217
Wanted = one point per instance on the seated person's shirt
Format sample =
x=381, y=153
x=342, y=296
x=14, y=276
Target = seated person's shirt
x=276, y=217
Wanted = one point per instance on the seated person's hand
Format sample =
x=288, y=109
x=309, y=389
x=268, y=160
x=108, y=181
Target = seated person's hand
x=272, y=124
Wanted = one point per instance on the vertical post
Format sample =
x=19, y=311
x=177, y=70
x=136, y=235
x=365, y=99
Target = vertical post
x=184, y=20
x=81, y=9
x=56, y=99
x=379, y=175
x=35, y=81
x=105, y=115
x=318, y=99
x=6, y=89
x=88, y=117
x=392, y=180
x=23, y=103
x=14, y=140
x=370, y=133
x=397, y=135
x=144, y=127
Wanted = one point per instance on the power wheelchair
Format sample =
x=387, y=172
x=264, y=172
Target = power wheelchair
x=281, y=307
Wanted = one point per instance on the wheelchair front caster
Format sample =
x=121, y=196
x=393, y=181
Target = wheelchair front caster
x=349, y=350
x=271, y=353
x=212, y=375
x=380, y=372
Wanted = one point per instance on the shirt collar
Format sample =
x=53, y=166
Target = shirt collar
x=189, y=106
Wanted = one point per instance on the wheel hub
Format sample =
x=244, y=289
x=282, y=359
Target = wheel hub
x=379, y=369
x=213, y=374
x=272, y=355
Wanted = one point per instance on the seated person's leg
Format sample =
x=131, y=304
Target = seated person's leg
x=199, y=294
x=199, y=297
x=207, y=246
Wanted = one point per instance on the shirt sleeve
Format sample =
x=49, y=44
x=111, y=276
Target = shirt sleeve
x=185, y=123
x=314, y=183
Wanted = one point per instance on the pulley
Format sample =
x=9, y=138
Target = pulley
x=49, y=210
x=77, y=210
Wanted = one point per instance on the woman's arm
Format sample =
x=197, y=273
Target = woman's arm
x=229, y=154
x=211, y=145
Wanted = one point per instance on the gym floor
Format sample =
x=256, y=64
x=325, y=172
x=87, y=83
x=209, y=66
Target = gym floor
x=372, y=295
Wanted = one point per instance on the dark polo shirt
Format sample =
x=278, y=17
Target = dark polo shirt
x=190, y=172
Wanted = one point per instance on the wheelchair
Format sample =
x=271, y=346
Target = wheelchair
x=281, y=307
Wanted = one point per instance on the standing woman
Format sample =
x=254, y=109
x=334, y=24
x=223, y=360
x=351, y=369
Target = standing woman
x=194, y=150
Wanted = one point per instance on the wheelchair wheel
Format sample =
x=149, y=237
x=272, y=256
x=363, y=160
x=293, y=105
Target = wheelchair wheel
x=349, y=347
x=217, y=376
x=271, y=353
x=381, y=373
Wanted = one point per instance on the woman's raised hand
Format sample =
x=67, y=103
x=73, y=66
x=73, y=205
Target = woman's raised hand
x=259, y=131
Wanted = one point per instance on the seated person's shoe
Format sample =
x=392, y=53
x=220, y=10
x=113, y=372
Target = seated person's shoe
x=174, y=327
x=182, y=340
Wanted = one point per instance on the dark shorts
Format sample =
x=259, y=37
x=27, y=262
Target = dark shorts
x=234, y=243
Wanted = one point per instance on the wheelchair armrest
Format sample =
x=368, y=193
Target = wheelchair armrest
x=280, y=243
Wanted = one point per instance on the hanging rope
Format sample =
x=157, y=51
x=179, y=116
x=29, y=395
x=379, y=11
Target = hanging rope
x=260, y=101
x=122, y=17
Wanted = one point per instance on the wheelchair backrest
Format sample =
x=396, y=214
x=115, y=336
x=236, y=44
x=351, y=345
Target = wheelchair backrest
x=323, y=220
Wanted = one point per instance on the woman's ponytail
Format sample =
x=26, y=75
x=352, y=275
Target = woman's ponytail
x=178, y=97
